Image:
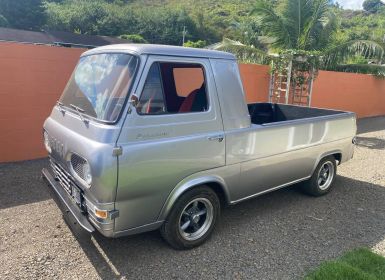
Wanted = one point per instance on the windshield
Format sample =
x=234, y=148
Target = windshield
x=99, y=85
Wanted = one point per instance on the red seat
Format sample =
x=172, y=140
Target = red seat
x=148, y=109
x=188, y=102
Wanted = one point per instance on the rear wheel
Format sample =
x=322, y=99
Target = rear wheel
x=322, y=179
x=192, y=219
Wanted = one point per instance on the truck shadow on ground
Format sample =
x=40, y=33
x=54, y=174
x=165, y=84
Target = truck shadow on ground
x=370, y=142
x=371, y=124
x=20, y=183
x=281, y=235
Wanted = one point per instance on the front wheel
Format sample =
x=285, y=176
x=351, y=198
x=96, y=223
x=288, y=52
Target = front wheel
x=322, y=179
x=192, y=219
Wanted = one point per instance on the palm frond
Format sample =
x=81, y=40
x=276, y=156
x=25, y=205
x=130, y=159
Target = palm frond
x=320, y=17
x=272, y=24
x=326, y=32
x=244, y=53
x=376, y=70
x=339, y=54
x=297, y=14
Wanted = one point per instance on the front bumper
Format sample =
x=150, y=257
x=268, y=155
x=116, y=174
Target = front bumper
x=83, y=214
x=70, y=207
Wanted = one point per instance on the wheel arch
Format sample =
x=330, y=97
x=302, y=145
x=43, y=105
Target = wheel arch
x=337, y=154
x=216, y=183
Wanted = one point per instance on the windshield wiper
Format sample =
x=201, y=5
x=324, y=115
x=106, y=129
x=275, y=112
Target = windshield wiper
x=61, y=107
x=80, y=112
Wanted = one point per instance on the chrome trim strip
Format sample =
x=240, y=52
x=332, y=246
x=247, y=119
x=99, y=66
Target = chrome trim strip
x=140, y=229
x=103, y=227
x=269, y=190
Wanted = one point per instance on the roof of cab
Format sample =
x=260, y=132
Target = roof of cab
x=162, y=50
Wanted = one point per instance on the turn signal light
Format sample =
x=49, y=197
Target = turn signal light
x=102, y=214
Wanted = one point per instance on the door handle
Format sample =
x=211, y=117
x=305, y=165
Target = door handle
x=218, y=138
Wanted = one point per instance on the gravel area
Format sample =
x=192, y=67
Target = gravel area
x=281, y=235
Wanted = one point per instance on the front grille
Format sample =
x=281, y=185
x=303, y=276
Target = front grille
x=68, y=183
x=62, y=176
x=78, y=164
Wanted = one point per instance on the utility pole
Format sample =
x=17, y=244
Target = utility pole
x=184, y=34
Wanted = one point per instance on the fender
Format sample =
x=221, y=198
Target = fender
x=187, y=184
x=330, y=153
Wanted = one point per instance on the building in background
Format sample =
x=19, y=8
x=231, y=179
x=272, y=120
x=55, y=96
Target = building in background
x=57, y=38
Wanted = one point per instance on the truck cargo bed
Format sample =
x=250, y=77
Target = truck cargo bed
x=263, y=113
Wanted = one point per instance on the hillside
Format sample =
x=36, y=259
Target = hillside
x=163, y=21
x=363, y=25
x=216, y=19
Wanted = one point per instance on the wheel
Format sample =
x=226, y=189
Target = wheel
x=322, y=179
x=192, y=219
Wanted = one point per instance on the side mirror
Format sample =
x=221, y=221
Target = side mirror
x=134, y=100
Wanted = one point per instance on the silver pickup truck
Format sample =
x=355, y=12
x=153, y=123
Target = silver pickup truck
x=148, y=137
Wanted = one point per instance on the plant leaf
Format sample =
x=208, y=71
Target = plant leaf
x=244, y=53
x=338, y=54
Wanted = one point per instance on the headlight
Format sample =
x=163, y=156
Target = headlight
x=46, y=142
x=87, y=173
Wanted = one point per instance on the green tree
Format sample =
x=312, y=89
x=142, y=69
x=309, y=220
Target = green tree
x=90, y=17
x=305, y=26
x=198, y=44
x=372, y=6
x=165, y=25
x=134, y=38
x=23, y=14
x=246, y=31
x=113, y=18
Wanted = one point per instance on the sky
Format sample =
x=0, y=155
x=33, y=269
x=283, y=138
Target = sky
x=351, y=4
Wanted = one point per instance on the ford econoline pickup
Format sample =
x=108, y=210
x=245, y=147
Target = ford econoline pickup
x=148, y=137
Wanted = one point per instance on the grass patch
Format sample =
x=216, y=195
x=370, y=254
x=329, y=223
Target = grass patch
x=359, y=264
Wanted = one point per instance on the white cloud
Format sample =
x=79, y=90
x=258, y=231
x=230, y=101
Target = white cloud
x=351, y=4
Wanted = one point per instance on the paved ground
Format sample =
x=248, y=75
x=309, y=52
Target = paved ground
x=281, y=235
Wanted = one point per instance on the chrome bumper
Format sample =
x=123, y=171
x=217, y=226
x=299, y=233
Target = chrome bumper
x=70, y=206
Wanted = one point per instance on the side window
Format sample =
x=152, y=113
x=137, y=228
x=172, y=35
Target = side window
x=173, y=88
x=152, y=98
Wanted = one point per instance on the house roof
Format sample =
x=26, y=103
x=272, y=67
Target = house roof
x=60, y=38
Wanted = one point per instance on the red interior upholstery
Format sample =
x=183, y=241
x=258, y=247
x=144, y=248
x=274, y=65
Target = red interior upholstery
x=148, y=109
x=173, y=101
x=188, y=102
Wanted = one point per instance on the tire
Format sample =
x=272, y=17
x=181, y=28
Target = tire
x=321, y=182
x=192, y=218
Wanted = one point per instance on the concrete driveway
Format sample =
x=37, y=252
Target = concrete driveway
x=281, y=235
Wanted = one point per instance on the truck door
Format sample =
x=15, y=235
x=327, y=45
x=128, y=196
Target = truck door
x=175, y=131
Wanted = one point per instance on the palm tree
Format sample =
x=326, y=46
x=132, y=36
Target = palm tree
x=301, y=26
x=244, y=53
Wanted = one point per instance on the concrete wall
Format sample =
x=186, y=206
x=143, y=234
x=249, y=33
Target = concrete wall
x=362, y=94
x=256, y=80
x=33, y=77
x=31, y=80
x=359, y=93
